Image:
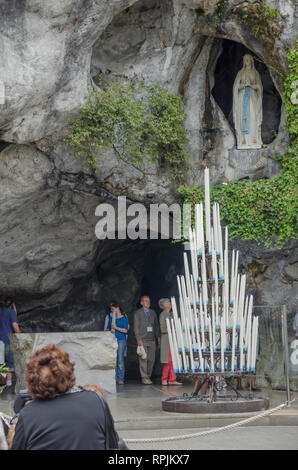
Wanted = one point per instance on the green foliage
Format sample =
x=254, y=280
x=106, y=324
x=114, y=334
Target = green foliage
x=291, y=94
x=219, y=11
x=263, y=20
x=259, y=210
x=273, y=12
x=263, y=210
x=138, y=121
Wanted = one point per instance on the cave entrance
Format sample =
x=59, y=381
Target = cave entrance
x=228, y=65
x=162, y=262
x=125, y=270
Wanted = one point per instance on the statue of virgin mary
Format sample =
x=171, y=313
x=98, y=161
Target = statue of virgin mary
x=247, y=105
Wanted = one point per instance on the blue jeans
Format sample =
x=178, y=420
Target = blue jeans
x=120, y=369
x=9, y=358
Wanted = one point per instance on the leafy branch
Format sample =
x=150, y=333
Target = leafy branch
x=139, y=122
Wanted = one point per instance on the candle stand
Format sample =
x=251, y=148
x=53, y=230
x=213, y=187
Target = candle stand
x=215, y=336
x=215, y=401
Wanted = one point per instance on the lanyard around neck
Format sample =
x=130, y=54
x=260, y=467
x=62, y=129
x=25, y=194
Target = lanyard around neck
x=148, y=315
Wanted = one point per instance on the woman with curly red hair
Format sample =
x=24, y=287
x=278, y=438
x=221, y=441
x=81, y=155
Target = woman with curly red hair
x=61, y=416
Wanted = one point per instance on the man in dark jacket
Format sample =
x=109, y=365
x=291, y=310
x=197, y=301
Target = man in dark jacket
x=147, y=331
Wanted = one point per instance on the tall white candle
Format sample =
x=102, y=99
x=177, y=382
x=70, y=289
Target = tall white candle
x=192, y=319
x=192, y=363
x=204, y=279
x=184, y=291
x=179, y=287
x=252, y=362
x=226, y=277
x=241, y=342
x=236, y=304
x=210, y=345
x=213, y=264
x=202, y=324
x=211, y=245
x=233, y=344
x=201, y=246
x=248, y=336
x=214, y=228
x=175, y=317
x=215, y=277
x=181, y=300
x=218, y=225
x=241, y=297
x=245, y=313
x=232, y=278
x=236, y=272
x=183, y=347
x=255, y=337
x=194, y=256
x=175, y=345
x=173, y=350
x=213, y=319
x=197, y=229
x=222, y=343
x=197, y=333
x=180, y=369
x=179, y=341
x=187, y=327
x=199, y=344
x=207, y=204
x=186, y=273
x=256, y=346
x=190, y=334
x=221, y=251
x=226, y=264
x=248, y=323
x=197, y=297
x=234, y=332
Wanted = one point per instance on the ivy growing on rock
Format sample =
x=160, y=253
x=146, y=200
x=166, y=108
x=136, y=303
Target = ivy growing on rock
x=263, y=20
x=137, y=121
x=263, y=210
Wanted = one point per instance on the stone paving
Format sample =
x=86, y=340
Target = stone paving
x=137, y=412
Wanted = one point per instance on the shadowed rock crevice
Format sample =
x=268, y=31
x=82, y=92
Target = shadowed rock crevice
x=123, y=271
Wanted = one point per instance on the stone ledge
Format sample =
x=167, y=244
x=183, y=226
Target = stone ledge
x=94, y=355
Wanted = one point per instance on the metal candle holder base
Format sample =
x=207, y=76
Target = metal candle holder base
x=214, y=402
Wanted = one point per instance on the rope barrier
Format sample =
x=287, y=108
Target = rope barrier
x=209, y=431
x=6, y=418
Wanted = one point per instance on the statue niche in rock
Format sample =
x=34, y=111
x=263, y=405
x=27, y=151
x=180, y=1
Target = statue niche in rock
x=247, y=105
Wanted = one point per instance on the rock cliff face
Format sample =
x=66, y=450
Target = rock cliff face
x=52, y=53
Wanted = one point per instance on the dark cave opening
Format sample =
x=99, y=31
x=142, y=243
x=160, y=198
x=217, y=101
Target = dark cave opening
x=126, y=269
x=164, y=261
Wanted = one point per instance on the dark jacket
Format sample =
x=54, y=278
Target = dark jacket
x=73, y=421
x=141, y=324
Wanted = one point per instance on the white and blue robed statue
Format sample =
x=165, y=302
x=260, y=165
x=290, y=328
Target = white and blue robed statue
x=247, y=105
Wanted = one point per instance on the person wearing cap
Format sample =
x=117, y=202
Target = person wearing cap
x=168, y=376
x=146, y=329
